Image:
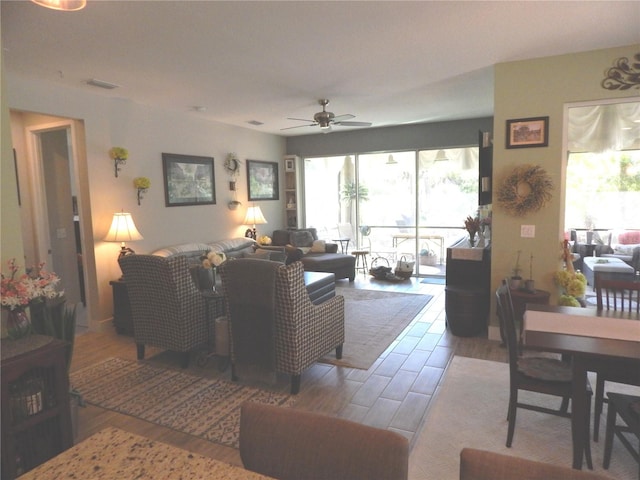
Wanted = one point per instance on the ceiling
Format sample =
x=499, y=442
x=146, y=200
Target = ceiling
x=386, y=62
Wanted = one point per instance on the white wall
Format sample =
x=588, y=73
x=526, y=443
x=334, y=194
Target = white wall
x=147, y=132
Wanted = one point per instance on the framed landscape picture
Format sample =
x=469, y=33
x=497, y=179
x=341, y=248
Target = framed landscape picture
x=262, y=180
x=188, y=180
x=528, y=132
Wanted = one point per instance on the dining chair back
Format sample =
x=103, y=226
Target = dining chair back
x=544, y=375
x=293, y=444
x=617, y=293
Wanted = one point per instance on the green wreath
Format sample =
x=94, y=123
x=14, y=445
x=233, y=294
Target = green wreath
x=527, y=189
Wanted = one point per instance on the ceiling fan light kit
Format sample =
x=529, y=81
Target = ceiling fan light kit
x=325, y=120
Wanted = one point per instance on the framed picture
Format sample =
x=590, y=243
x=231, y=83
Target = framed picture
x=289, y=165
x=528, y=132
x=262, y=180
x=188, y=180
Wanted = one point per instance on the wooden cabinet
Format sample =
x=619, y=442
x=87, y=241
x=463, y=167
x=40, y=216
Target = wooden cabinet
x=36, y=419
x=485, y=168
x=121, y=308
x=467, y=291
x=292, y=198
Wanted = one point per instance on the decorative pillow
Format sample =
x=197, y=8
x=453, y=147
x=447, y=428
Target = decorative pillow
x=293, y=254
x=301, y=238
x=318, y=246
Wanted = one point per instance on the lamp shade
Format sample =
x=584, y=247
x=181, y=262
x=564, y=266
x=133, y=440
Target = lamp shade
x=64, y=5
x=254, y=217
x=122, y=229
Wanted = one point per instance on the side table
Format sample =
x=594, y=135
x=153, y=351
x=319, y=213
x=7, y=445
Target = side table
x=121, y=308
x=215, y=332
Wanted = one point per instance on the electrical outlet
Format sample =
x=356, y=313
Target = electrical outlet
x=528, y=231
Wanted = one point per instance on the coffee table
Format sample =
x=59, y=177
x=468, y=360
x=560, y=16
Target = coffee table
x=604, y=264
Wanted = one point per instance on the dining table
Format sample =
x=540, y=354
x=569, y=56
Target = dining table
x=592, y=338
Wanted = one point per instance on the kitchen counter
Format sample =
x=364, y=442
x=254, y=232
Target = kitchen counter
x=116, y=454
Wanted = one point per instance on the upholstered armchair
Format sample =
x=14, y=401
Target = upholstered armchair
x=167, y=309
x=273, y=323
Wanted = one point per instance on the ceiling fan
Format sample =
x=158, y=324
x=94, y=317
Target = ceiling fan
x=326, y=119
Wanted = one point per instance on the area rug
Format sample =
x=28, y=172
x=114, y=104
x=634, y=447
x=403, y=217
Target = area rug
x=434, y=280
x=373, y=319
x=202, y=407
x=470, y=410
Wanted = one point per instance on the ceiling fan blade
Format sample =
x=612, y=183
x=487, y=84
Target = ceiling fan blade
x=300, y=119
x=346, y=116
x=353, y=124
x=300, y=126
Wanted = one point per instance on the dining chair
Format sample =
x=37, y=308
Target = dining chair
x=292, y=444
x=534, y=374
x=618, y=295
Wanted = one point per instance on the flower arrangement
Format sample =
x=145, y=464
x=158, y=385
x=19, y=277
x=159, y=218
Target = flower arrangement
x=119, y=156
x=573, y=285
x=472, y=226
x=36, y=284
x=213, y=259
x=264, y=240
x=142, y=184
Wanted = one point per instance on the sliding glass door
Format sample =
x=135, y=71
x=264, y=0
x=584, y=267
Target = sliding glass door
x=394, y=204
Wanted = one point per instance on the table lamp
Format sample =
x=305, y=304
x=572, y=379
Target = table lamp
x=254, y=217
x=123, y=230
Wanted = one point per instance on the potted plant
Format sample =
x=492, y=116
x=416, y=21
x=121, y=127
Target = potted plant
x=516, y=279
x=529, y=285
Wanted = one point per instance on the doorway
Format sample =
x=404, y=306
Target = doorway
x=46, y=156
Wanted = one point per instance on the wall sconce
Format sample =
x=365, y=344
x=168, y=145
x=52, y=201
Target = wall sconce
x=254, y=217
x=123, y=230
x=141, y=184
x=119, y=156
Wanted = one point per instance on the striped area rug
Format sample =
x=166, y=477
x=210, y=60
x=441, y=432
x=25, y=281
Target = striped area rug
x=203, y=407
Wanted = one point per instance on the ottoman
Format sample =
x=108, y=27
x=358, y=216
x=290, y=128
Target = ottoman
x=603, y=264
x=320, y=286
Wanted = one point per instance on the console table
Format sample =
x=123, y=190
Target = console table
x=36, y=418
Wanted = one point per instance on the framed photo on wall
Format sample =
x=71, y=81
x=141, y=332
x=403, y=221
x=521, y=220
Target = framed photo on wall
x=262, y=180
x=289, y=165
x=528, y=132
x=188, y=180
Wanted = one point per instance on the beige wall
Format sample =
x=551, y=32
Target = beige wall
x=101, y=122
x=536, y=88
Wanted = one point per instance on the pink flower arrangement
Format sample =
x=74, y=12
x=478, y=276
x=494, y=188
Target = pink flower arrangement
x=18, y=291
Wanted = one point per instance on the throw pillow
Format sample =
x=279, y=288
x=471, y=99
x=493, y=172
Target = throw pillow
x=318, y=246
x=301, y=238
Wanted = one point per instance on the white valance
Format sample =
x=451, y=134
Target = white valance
x=601, y=128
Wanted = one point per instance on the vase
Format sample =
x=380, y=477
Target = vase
x=472, y=240
x=18, y=323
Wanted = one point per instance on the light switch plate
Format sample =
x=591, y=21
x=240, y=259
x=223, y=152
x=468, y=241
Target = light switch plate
x=528, y=231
